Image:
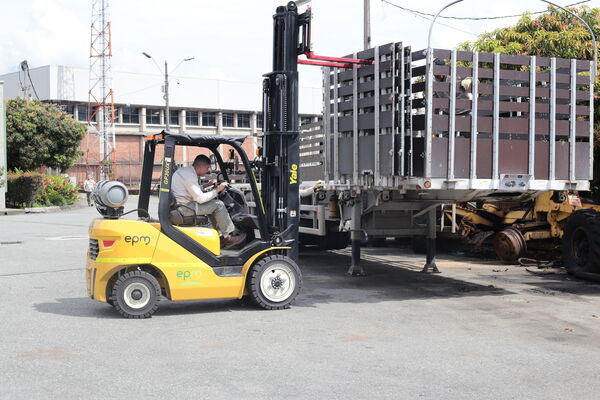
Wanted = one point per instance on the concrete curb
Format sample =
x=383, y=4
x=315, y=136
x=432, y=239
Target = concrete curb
x=40, y=210
x=11, y=211
x=81, y=203
x=37, y=210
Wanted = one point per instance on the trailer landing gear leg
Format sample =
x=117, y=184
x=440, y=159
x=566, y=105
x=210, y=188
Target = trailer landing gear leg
x=431, y=234
x=356, y=268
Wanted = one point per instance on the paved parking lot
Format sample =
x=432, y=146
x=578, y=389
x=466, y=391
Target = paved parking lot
x=478, y=330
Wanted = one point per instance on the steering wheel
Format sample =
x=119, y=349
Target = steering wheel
x=220, y=180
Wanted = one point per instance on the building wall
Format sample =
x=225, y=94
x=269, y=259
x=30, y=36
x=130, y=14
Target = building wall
x=68, y=84
x=138, y=98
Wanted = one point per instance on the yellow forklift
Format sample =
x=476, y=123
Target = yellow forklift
x=131, y=264
x=551, y=215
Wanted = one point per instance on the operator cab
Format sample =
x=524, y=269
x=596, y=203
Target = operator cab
x=233, y=199
x=176, y=221
x=182, y=215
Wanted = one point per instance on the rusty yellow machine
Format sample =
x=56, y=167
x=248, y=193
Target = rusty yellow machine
x=551, y=215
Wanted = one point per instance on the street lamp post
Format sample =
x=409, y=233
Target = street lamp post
x=166, y=86
x=166, y=97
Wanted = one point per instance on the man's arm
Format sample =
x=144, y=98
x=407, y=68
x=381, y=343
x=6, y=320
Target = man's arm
x=210, y=183
x=195, y=191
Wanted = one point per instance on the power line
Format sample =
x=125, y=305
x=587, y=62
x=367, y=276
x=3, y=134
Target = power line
x=424, y=14
x=421, y=15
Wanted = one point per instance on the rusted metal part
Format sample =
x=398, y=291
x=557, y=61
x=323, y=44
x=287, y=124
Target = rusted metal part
x=537, y=235
x=509, y=244
x=478, y=238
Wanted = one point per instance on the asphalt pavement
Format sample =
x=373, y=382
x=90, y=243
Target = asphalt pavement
x=478, y=330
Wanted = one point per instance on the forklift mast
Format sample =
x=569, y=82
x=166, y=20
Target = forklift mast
x=280, y=175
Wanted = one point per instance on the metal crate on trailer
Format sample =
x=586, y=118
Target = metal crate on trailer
x=482, y=116
x=364, y=112
x=475, y=122
x=312, y=151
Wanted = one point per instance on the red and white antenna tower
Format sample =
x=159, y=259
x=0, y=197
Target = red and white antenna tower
x=101, y=104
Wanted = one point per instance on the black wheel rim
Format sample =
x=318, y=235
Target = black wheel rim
x=580, y=246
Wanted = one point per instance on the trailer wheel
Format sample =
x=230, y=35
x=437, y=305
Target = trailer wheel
x=581, y=242
x=274, y=282
x=136, y=295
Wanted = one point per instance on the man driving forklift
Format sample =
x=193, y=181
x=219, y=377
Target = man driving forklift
x=196, y=201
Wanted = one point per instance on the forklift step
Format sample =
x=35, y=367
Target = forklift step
x=228, y=272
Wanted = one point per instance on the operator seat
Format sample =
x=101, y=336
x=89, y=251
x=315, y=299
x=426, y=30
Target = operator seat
x=178, y=217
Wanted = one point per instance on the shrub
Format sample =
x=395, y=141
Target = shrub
x=56, y=191
x=27, y=189
x=22, y=188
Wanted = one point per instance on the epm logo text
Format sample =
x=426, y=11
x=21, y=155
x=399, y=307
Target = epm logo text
x=137, y=239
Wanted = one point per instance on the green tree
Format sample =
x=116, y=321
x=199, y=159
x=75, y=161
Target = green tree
x=39, y=134
x=552, y=34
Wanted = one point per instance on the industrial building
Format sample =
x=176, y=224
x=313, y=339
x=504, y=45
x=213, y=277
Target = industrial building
x=197, y=106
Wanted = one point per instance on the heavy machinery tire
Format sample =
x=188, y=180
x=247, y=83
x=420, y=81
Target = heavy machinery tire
x=274, y=282
x=509, y=245
x=418, y=244
x=136, y=295
x=581, y=242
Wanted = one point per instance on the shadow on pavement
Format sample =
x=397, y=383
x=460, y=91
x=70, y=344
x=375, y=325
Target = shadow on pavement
x=325, y=281
x=561, y=283
x=77, y=307
x=88, y=308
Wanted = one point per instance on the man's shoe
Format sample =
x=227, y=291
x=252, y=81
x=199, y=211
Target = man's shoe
x=232, y=240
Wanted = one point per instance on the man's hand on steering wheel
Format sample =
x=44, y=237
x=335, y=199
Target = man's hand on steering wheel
x=222, y=186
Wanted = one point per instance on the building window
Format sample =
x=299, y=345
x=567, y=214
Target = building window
x=131, y=115
x=228, y=120
x=67, y=108
x=191, y=118
x=174, y=117
x=209, y=119
x=82, y=111
x=152, y=116
x=305, y=120
x=259, y=121
x=243, y=121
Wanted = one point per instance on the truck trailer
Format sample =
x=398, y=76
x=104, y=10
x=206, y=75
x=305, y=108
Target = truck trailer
x=417, y=129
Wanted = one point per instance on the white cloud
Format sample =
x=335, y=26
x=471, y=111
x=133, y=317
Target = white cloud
x=230, y=39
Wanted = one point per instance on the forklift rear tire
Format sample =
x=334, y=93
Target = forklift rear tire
x=274, y=282
x=581, y=243
x=136, y=295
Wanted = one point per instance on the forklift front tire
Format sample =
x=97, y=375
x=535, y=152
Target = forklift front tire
x=274, y=282
x=136, y=295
